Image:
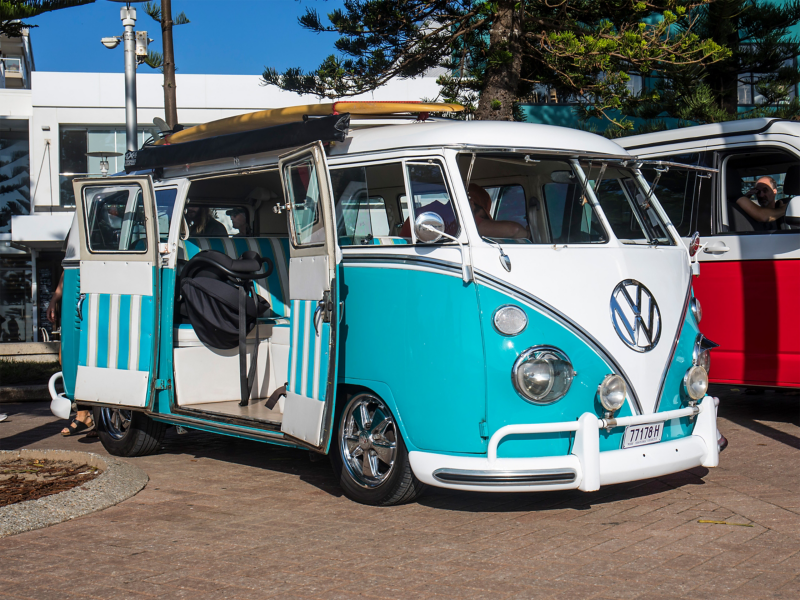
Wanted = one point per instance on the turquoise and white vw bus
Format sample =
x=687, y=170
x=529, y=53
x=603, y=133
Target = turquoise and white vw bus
x=414, y=349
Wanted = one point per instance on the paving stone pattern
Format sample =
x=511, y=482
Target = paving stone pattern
x=226, y=518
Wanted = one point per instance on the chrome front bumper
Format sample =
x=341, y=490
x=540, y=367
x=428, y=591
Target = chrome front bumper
x=585, y=468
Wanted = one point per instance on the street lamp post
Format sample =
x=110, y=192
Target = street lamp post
x=132, y=56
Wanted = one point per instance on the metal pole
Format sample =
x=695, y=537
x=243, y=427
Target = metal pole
x=128, y=16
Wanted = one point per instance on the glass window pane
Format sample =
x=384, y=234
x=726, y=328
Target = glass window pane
x=165, y=202
x=509, y=204
x=16, y=308
x=301, y=179
x=115, y=219
x=571, y=219
x=363, y=217
x=675, y=190
x=429, y=193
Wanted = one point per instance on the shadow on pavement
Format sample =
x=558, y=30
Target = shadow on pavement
x=755, y=409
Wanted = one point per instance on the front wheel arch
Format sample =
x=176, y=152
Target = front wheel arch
x=368, y=453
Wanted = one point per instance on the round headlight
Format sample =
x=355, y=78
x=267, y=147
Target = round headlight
x=697, y=310
x=542, y=374
x=510, y=320
x=612, y=392
x=696, y=382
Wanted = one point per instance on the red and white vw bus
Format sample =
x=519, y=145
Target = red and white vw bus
x=749, y=282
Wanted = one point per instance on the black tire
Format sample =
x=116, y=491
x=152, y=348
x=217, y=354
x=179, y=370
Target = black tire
x=393, y=483
x=127, y=432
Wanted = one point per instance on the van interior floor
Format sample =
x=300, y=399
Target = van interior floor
x=255, y=411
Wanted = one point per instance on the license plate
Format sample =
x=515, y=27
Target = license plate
x=640, y=435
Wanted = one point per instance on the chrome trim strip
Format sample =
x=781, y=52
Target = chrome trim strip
x=541, y=477
x=523, y=296
x=674, y=347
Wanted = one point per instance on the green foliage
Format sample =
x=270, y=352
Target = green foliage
x=154, y=11
x=13, y=11
x=581, y=49
x=154, y=60
x=21, y=373
x=757, y=36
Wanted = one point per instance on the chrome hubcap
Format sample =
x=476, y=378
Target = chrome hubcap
x=368, y=439
x=115, y=421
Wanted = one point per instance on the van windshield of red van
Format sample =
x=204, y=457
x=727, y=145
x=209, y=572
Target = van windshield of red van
x=627, y=204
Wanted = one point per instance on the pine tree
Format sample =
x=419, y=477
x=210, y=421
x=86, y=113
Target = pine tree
x=500, y=50
x=13, y=11
x=761, y=51
x=166, y=62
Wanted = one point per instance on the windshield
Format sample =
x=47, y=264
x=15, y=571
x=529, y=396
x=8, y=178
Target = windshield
x=628, y=205
x=527, y=199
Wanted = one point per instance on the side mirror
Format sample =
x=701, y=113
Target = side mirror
x=429, y=227
x=793, y=212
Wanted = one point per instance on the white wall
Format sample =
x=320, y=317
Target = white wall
x=99, y=99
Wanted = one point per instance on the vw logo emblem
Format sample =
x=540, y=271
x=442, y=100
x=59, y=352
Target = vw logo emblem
x=635, y=315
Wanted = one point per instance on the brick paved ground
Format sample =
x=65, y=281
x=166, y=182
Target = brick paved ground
x=223, y=518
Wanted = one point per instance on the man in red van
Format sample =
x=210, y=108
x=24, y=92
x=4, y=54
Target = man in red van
x=766, y=211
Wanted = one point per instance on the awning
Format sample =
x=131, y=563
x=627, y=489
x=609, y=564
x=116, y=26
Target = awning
x=41, y=231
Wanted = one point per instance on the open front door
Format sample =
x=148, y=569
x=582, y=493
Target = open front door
x=118, y=304
x=314, y=294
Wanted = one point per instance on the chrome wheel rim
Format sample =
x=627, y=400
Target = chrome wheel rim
x=116, y=422
x=368, y=439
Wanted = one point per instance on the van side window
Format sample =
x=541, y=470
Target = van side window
x=304, y=196
x=165, y=201
x=508, y=203
x=115, y=219
x=364, y=216
x=570, y=220
x=743, y=173
x=429, y=194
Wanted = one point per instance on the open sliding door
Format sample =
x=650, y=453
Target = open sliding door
x=118, y=305
x=314, y=294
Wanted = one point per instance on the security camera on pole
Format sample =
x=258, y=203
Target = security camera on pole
x=135, y=45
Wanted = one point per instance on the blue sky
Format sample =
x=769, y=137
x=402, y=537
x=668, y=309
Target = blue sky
x=231, y=37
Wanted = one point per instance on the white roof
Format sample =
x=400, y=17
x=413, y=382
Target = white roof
x=711, y=131
x=487, y=134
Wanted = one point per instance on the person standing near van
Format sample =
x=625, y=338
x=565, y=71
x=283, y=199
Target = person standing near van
x=83, y=422
x=764, y=210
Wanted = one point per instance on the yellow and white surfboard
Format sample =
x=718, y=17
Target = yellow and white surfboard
x=291, y=114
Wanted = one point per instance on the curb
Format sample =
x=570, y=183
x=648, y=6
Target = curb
x=24, y=393
x=118, y=481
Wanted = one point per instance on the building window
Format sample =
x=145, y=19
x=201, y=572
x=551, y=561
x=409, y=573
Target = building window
x=16, y=306
x=14, y=176
x=76, y=141
x=747, y=90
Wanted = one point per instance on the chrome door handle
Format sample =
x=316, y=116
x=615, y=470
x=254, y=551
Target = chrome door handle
x=716, y=248
x=80, y=306
x=318, y=315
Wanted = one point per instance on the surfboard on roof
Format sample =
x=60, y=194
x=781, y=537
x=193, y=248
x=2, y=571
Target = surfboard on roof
x=291, y=114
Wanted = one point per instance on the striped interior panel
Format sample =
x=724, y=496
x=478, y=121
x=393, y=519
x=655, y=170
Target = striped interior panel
x=275, y=288
x=308, y=358
x=117, y=332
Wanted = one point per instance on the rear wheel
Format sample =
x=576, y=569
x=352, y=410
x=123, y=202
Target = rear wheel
x=127, y=432
x=370, y=456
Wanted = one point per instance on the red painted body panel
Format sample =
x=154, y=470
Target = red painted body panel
x=751, y=308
